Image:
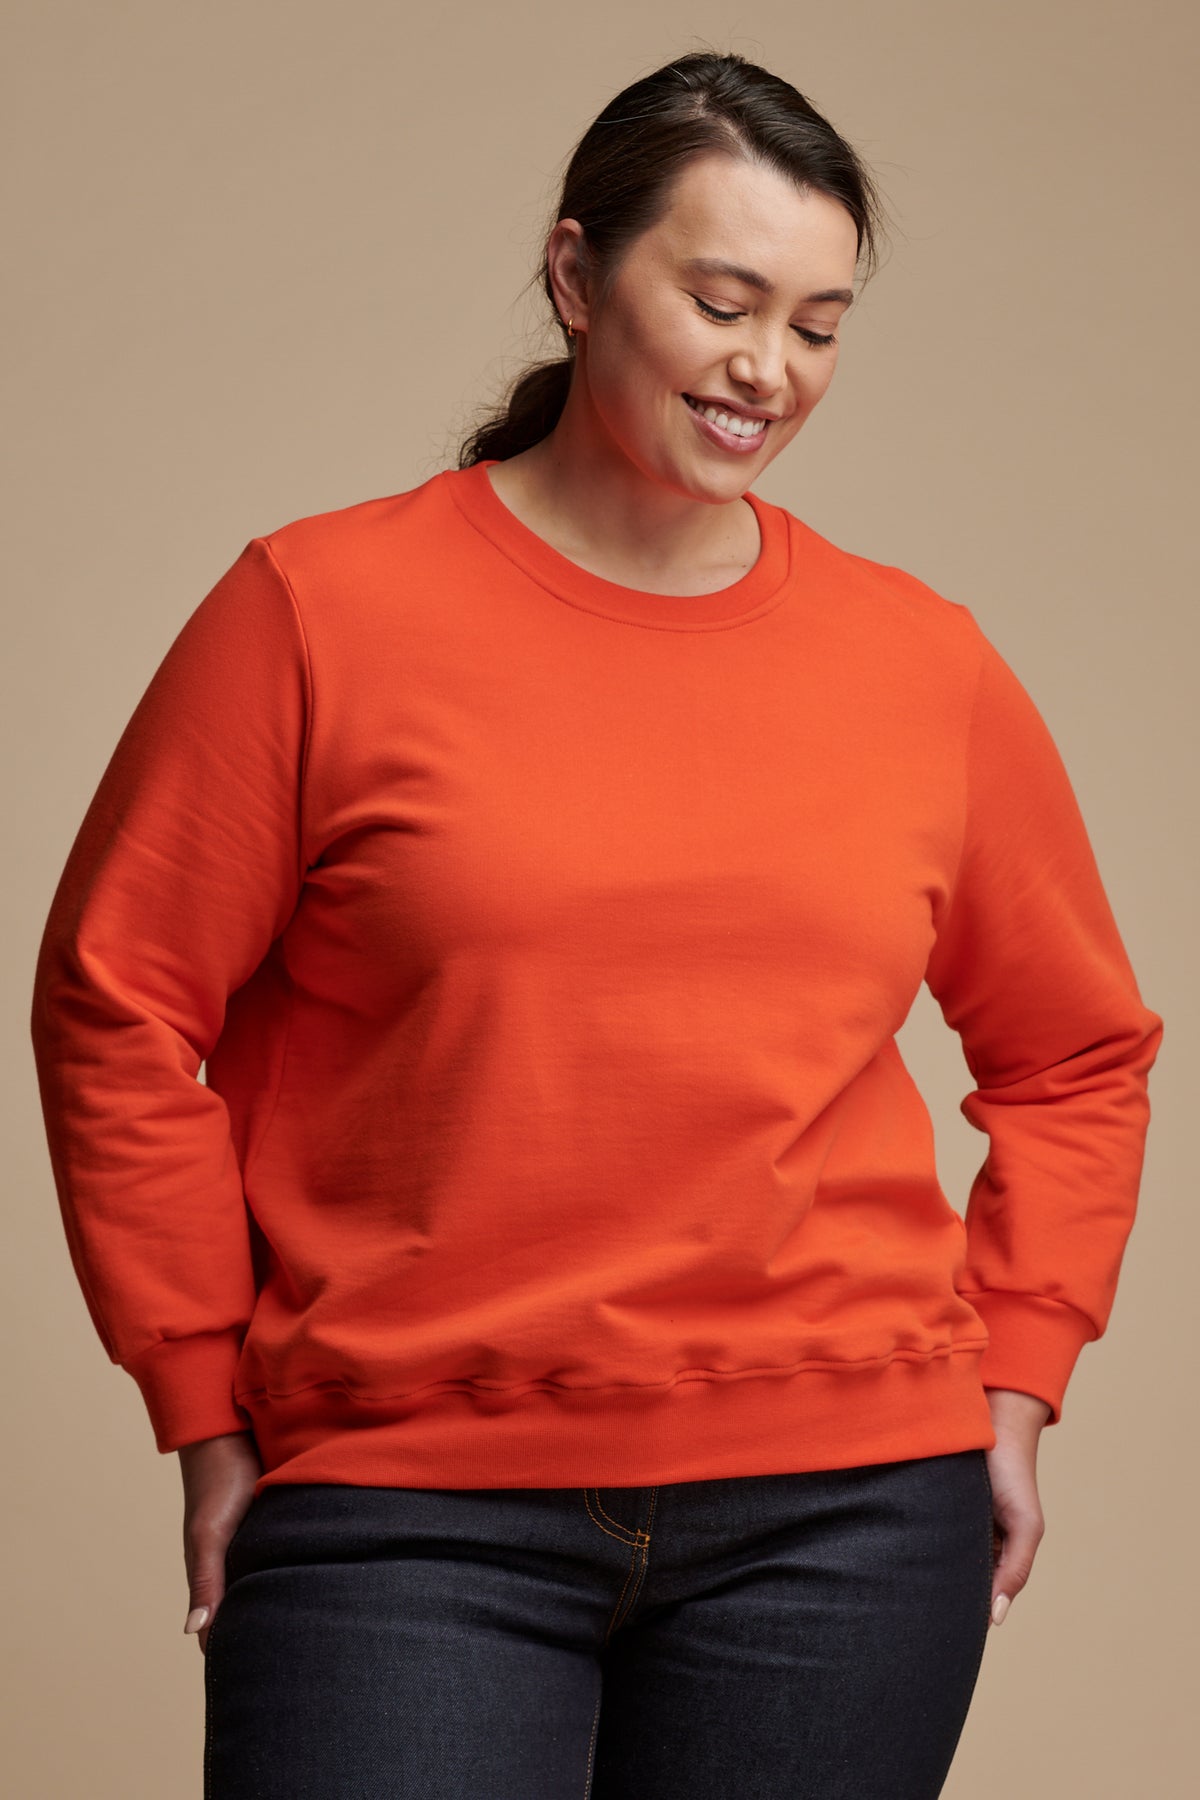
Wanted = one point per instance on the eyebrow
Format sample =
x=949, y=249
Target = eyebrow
x=716, y=265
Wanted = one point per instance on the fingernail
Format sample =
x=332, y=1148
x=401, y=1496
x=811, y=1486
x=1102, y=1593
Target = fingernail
x=197, y=1619
x=999, y=1609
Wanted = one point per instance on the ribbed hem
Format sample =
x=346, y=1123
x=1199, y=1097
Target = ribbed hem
x=187, y=1385
x=1033, y=1345
x=697, y=1430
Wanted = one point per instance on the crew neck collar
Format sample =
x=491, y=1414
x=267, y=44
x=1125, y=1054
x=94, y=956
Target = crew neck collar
x=760, y=589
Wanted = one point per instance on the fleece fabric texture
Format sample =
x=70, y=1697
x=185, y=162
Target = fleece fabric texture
x=466, y=1020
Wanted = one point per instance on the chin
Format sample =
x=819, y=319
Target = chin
x=720, y=486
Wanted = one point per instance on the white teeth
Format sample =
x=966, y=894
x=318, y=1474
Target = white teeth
x=729, y=422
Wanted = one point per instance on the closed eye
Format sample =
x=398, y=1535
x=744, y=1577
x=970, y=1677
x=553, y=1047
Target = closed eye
x=727, y=318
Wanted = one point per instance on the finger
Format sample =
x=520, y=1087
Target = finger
x=206, y=1586
x=1022, y=1535
x=199, y=1623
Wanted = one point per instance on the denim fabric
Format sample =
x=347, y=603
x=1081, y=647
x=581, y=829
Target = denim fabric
x=811, y=1636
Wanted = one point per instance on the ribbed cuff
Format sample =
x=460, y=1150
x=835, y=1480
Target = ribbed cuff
x=1033, y=1344
x=187, y=1385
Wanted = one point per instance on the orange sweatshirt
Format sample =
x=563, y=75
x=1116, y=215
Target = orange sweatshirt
x=544, y=942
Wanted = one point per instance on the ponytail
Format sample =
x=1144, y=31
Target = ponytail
x=529, y=413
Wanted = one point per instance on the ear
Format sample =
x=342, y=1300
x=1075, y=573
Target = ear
x=567, y=265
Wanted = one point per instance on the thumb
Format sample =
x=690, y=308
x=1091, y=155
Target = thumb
x=219, y=1477
x=206, y=1590
x=1023, y=1532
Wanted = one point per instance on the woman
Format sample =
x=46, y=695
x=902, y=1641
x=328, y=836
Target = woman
x=580, y=1381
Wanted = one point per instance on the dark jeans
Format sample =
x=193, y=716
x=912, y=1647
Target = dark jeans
x=811, y=1636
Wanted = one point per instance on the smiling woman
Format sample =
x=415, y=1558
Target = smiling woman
x=692, y=372
x=704, y=260
x=582, y=1384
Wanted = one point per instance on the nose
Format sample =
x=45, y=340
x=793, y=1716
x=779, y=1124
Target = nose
x=760, y=364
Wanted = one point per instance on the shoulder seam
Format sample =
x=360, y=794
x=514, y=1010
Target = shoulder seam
x=968, y=735
x=302, y=809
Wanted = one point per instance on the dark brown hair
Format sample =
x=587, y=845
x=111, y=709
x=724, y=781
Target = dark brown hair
x=619, y=180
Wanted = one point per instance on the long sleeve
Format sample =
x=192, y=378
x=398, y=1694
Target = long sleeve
x=1029, y=969
x=186, y=868
x=546, y=943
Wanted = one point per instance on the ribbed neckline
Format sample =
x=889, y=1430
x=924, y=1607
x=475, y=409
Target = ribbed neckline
x=762, y=587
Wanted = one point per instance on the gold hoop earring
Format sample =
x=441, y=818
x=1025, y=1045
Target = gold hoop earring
x=571, y=326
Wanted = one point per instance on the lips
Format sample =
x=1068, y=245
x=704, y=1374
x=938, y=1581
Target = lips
x=727, y=438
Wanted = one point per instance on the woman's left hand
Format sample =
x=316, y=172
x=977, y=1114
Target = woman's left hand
x=1017, y=1522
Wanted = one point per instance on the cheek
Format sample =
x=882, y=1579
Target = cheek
x=632, y=362
x=643, y=372
x=815, y=377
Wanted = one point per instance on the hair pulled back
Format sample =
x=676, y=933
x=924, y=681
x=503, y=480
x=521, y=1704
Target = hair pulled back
x=618, y=185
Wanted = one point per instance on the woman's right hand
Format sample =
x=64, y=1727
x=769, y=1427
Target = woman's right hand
x=219, y=1475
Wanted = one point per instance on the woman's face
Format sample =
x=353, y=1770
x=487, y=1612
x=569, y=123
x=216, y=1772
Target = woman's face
x=764, y=339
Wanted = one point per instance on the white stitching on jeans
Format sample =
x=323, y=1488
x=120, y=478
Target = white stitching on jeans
x=587, y=1780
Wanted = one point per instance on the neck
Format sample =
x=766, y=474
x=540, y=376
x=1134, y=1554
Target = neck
x=580, y=490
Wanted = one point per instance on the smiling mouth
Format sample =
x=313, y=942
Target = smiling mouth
x=732, y=424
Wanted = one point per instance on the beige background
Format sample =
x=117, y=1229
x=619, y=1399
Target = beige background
x=269, y=258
